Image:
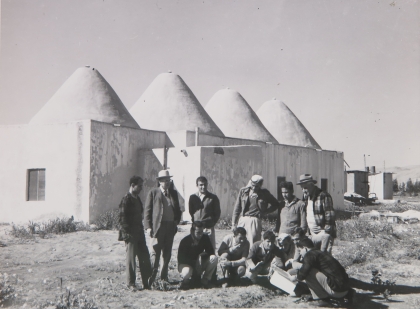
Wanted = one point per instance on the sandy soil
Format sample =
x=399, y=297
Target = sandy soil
x=90, y=266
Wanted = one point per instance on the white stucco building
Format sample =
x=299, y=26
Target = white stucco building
x=76, y=155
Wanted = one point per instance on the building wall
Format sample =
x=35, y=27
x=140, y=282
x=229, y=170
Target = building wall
x=230, y=171
x=388, y=189
x=381, y=184
x=357, y=181
x=63, y=150
x=117, y=153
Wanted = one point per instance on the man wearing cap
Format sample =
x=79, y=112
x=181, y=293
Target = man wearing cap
x=293, y=215
x=162, y=215
x=320, y=213
x=205, y=207
x=252, y=203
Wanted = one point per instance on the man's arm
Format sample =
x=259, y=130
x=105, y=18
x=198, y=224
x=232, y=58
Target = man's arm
x=183, y=253
x=224, y=248
x=273, y=203
x=280, y=258
x=148, y=211
x=328, y=212
x=216, y=210
x=191, y=206
x=278, y=221
x=177, y=208
x=237, y=210
x=303, y=222
x=125, y=228
x=252, y=253
x=308, y=263
x=208, y=247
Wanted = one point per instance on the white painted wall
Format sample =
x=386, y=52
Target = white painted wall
x=117, y=153
x=63, y=150
x=381, y=184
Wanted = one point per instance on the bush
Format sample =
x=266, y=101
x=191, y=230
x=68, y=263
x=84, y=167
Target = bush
x=55, y=226
x=108, y=220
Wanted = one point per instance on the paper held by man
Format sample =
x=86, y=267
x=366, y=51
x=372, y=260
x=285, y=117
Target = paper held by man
x=283, y=281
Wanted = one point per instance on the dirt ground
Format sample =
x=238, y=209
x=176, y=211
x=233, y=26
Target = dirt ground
x=89, y=266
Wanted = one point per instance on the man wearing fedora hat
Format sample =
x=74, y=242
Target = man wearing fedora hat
x=162, y=215
x=320, y=213
x=252, y=203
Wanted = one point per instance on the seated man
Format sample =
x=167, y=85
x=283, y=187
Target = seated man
x=196, y=256
x=286, y=244
x=263, y=255
x=324, y=275
x=233, y=252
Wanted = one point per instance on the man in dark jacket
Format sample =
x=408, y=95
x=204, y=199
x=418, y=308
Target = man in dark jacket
x=132, y=232
x=323, y=274
x=252, y=203
x=205, y=207
x=196, y=257
x=162, y=215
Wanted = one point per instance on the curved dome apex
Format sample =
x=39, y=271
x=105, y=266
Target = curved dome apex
x=85, y=95
x=235, y=117
x=284, y=125
x=168, y=104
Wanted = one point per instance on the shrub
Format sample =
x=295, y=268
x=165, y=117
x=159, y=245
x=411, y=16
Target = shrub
x=55, y=226
x=108, y=220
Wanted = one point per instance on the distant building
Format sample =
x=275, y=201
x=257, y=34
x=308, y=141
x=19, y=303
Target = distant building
x=358, y=182
x=381, y=184
x=76, y=155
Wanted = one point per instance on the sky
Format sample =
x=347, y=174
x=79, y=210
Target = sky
x=349, y=70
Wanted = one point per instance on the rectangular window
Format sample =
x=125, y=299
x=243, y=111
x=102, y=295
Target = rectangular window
x=280, y=179
x=36, y=185
x=324, y=184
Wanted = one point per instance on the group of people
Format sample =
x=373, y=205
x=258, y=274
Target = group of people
x=300, y=244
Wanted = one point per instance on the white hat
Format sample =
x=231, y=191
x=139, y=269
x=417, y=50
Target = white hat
x=163, y=174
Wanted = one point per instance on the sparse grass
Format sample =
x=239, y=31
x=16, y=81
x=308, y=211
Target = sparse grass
x=108, y=220
x=67, y=300
x=400, y=207
x=42, y=229
x=8, y=294
x=357, y=228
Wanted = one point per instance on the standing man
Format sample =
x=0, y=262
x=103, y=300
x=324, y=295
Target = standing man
x=293, y=214
x=132, y=232
x=263, y=255
x=252, y=203
x=205, y=207
x=196, y=257
x=233, y=253
x=320, y=213
x=162, y=215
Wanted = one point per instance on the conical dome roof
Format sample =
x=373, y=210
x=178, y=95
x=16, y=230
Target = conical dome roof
x=168, y=104
x=235, y=117
x=284, y=125
x=85, y=95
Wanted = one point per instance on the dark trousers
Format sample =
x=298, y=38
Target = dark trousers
x=162, y=244
x=136, y=247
